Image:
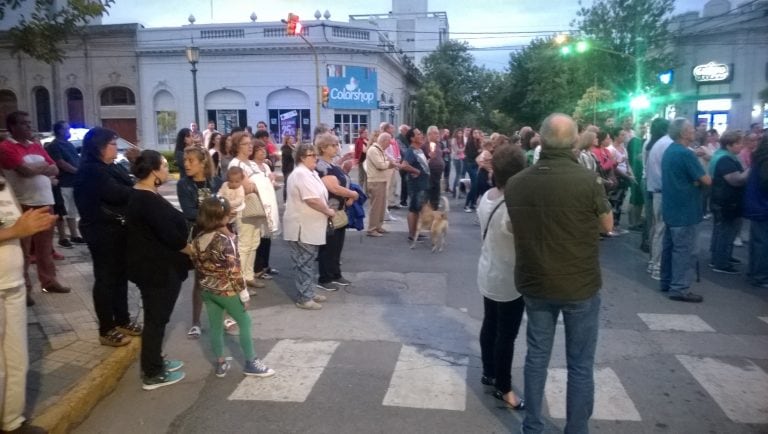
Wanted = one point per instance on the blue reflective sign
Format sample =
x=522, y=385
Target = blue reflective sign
x=667, y=76
x=352, y=87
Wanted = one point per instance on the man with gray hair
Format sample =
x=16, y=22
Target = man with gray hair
x=682, y=177
x=558, y=209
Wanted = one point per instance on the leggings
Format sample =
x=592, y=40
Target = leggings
x=216, y=305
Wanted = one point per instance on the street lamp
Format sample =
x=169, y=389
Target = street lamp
x=193, y=56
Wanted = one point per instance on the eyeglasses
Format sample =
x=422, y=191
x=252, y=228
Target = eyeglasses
x=311, y=154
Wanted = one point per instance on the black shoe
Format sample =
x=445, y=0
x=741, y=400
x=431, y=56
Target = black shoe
x=500, y=396
x=734, y=261
x=487, y=381
x=65, y=243
x=78, y=240
x=689, y=297
x=30, y=301
x=341, y=281
x=57, y=288
x=728, y=270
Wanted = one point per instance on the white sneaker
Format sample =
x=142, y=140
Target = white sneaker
x=738, y=242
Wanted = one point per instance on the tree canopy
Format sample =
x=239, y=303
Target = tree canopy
x=39, y=33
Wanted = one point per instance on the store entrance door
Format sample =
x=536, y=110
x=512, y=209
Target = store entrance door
x=715, y=119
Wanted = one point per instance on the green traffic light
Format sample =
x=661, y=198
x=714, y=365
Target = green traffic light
x=565, y=50
x=582, y=46
x=640, y=102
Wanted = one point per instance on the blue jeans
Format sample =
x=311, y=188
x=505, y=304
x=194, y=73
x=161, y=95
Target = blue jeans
x=724, y=231
x=678, y=258
x=471, y=168
x=581, y=324
x=758, y=252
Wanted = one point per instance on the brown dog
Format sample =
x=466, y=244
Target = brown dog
x=436, y=221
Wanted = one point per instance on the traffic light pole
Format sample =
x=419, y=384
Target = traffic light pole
x=318, y=91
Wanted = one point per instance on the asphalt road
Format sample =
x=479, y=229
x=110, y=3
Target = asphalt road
x=397, y=352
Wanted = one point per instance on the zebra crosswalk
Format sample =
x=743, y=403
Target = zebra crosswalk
x=429, y=379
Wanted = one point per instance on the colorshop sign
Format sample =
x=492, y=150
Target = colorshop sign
x=352, y=87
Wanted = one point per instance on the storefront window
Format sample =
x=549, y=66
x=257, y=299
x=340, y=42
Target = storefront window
x=347, y=126
x=289, y=122
x=226, y=120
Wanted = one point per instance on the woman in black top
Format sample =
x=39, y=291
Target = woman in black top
x=101, y=191
x=337, y=182
x=156, y=262
x=474, y=144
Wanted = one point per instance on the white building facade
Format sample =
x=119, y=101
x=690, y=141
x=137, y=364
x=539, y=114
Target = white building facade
x=254, y=72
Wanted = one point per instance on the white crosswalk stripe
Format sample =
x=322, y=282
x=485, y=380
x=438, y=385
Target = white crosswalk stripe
x=299, y=364
x=764, y=318
x=426, y=378
x=611, y=400
x=675, y=322
x=740, y=391
x=430, y=379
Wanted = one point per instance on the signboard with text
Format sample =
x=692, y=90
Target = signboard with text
x=352, y=87
x=711, y=72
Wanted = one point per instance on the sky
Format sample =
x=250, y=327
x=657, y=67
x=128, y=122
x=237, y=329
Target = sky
x=478, y=22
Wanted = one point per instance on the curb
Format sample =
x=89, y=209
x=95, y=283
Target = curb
x=75, y=405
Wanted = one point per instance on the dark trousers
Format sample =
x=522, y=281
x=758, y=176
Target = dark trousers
x=158, y=306
x=403, y=188
x=471, y=168
x=483, y=182
x=501, y=323
x=329, y=255
x=262, y=255
x=107, y=244
x=724, y=231
x=434, y=190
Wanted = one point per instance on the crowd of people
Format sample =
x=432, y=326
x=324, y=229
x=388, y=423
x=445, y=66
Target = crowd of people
x=543, y=201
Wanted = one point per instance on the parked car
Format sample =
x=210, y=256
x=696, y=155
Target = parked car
x=76, y=138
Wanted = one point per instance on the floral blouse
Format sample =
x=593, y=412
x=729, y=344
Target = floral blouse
x=217, y=262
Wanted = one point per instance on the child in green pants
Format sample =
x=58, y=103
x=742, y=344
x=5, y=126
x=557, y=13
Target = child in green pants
x=217, y=262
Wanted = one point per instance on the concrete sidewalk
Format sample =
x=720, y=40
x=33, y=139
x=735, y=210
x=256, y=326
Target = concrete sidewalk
x=70, y=371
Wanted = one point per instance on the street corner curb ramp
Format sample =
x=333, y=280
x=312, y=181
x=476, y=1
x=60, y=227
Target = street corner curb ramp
x=76, y=404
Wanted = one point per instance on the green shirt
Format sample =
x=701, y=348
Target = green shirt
x=555, y=206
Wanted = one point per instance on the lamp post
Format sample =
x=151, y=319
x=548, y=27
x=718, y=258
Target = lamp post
x=193, y=56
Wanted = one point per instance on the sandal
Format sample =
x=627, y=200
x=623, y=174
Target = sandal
x=132, y=329
x=500, y=396
x=114, y=338
x=194, y=332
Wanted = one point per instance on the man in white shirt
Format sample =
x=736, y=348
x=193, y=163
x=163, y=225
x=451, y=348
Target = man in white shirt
x=208, y=133
x=13, y=310
x=29, y=170
x=653, y=185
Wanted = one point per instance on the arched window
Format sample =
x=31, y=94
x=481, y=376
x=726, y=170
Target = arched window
x=8, y=105
x=117, y=95
x=75, y=108
x=42, y=108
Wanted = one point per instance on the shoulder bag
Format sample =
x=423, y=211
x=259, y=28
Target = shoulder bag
x=253, y=206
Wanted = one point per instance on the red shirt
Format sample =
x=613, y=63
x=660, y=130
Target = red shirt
x=359, y=147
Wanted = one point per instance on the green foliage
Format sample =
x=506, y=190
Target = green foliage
x=594, y=107
x=452, y=69
x=541, y=82
x=39, y=34
x=631, y=39
x=170, y=156
x=627, y=42
x=430, y=105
